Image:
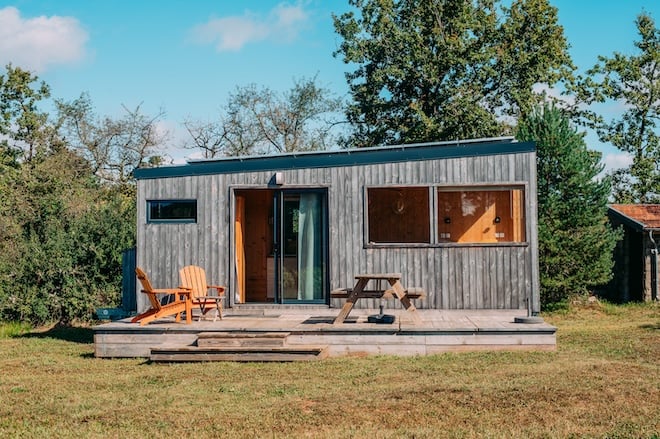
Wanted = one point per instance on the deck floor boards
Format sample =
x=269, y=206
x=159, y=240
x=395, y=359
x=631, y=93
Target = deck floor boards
x=438, y=331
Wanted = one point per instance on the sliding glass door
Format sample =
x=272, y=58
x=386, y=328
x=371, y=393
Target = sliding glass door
x=280, y=245
x=300, y=245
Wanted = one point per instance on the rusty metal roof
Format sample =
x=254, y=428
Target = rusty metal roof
x=646, y=216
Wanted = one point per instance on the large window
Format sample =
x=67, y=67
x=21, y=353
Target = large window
x=440, y=215
x=399, y=215
x=172, y=211
x=481, y=215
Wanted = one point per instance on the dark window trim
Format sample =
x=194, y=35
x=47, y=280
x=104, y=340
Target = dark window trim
x=446, y=244
x=172, y=220
x=503, y=186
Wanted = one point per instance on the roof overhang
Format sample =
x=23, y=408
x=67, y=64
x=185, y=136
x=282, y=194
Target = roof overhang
x=343, y=157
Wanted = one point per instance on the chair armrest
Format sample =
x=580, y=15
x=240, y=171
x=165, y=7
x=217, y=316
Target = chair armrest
x=220, y=289
x=166, y=290
x=176, y=292
x=179, y=292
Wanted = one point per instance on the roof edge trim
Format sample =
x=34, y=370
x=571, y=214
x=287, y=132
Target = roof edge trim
x=340, y=158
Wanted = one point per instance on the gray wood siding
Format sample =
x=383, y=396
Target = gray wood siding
x=455, y=277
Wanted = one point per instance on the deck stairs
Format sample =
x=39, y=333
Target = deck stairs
x=239, y=346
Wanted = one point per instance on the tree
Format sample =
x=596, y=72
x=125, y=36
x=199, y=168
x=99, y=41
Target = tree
x=259, y=120
x=62, y=228
x=446, y=69
x=70, y=232
x=633, y=81
x=24, y=130
x=575, y=240
x=114, y=147
x=209, y=137
x=11, y=242
x=61, y=239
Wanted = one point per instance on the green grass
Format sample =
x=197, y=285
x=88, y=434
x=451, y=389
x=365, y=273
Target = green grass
x=13, y=329
x=603, y=381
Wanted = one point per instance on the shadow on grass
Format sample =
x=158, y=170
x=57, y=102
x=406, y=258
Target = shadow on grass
x=74, y=334
x=651, y=326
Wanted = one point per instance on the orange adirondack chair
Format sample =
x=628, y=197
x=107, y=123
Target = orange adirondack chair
x=181, y=303
x=194, y=278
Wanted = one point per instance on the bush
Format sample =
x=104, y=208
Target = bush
x=72, y=233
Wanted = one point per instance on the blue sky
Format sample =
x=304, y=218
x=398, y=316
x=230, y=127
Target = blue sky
x=186, y=56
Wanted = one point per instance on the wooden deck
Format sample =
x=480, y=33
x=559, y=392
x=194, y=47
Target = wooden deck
x=311, y=326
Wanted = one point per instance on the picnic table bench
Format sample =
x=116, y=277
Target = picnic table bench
x=397, y=290
x=411, y=292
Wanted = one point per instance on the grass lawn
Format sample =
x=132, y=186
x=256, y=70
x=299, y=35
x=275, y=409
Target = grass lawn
x=603, y=381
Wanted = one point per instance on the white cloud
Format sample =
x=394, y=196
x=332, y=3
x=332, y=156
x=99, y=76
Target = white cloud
x=615, y=161
x=284, y=22
x=288, y=20
x=231, y=33
x=37, y=43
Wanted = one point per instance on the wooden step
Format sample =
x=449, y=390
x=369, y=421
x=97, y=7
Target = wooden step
x=239, y=353
x=235, y=339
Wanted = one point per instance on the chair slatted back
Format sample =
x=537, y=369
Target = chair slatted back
x=147, y=288
x=194, y=277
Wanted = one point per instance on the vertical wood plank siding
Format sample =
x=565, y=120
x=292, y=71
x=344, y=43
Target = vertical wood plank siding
x=454, y=277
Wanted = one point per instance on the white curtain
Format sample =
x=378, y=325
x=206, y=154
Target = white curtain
x=309, y=247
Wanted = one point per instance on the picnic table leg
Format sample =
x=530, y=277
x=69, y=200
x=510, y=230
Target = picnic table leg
x=405, y=300
x=350, y=301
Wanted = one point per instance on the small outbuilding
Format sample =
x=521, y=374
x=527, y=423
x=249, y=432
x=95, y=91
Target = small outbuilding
x=457, y=219
x=636, y=255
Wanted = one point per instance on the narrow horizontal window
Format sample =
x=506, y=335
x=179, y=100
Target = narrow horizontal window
x=481, y=215
x=172, y=211
x=399, y=215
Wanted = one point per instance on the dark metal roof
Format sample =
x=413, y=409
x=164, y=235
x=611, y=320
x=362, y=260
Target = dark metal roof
x=345, y=157
x=637, y=216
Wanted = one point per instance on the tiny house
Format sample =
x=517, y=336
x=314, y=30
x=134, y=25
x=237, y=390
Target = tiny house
x=457, y=219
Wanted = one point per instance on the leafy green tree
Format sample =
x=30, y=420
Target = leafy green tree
x=11, y=243
x=446, y=69
x=63, y=256
x=575, y=240
x=62, y=229
x=634, y=81
x=23, y=128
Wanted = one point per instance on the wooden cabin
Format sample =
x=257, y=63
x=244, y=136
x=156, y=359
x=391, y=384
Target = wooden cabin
x=457, y=219
x=636, y=255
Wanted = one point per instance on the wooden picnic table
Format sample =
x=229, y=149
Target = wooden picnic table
x=359, y=292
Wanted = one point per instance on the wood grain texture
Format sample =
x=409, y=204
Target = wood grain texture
x=455, y=276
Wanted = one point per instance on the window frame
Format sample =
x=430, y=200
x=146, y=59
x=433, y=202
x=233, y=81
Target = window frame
x=151, y=220
x=431, y=232
x=434, y=219
x=499, y=187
